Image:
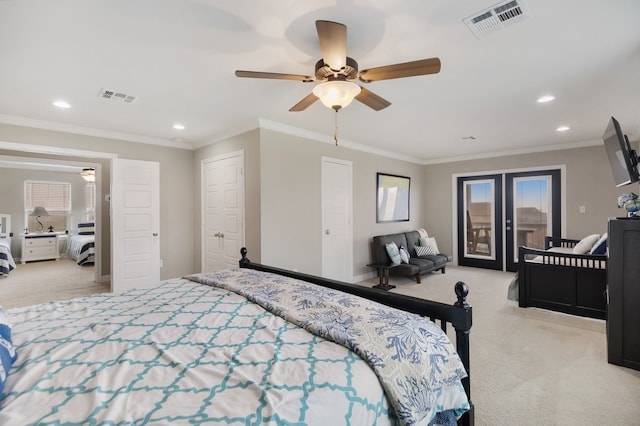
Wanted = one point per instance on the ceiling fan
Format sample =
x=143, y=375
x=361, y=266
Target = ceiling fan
x=337, y=72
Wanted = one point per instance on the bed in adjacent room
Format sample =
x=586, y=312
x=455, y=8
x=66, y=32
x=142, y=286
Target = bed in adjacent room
x=251, y=345
x=7, y=264
x=81, y=246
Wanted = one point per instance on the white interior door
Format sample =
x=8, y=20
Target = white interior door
x=222, y=211
x=337, y=211
x=135, y=224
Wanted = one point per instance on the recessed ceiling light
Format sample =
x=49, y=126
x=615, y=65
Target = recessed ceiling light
x=178, y=126
x=61, y=104
x=562, y=128
x=546, y=98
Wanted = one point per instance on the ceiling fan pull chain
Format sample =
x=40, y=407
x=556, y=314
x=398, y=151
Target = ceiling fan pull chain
x=335, y=133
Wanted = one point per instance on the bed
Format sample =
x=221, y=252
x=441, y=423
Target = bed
x=208, y=348
x=81, y=246
x=560, y=280
x=7, y=264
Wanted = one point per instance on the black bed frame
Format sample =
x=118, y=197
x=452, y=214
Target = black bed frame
x=570, y=283
x=458, y=315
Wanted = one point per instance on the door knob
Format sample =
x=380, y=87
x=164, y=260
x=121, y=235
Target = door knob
x=221, y=235
x=327, y=232
x=155, y=234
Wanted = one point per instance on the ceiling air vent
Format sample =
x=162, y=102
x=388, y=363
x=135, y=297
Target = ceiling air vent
x=497, y=17
x=116, y=96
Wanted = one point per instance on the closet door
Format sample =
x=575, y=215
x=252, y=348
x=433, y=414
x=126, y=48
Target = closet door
x=222, y=211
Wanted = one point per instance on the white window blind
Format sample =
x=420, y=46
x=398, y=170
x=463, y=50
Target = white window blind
x=55, y=197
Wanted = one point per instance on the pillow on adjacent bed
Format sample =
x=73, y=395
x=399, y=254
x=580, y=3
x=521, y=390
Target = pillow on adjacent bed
x=585, y=244
x=600, y=246
x=8, y=353
x=87, y=228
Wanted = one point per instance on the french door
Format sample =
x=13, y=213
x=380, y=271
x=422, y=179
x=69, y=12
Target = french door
x=532, y=210
x=480, y=221
x=533, y=201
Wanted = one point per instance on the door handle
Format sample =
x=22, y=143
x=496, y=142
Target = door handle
x=327, y=232
x=155, y=234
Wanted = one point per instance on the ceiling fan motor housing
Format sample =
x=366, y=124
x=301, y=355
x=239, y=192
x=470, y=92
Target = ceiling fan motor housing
x=349, y=72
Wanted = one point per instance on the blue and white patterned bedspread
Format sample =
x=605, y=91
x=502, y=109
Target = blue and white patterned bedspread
x=418, y=366
x=180, y=353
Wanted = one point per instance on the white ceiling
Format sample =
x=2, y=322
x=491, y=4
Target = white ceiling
x=178, y=58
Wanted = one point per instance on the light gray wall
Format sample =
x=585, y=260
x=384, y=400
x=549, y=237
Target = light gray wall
x=291, y=200
x=589, y=183
x=249, y=142
x=176, y=188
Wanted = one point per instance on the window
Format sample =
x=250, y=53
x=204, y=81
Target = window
x=55, y=197
x=90, y=199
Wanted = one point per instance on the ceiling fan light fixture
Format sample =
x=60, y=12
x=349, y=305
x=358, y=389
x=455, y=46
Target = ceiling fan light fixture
x=336, y=94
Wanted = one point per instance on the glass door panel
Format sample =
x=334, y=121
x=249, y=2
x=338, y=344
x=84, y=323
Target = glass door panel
x=480, y=221
x=533, y=211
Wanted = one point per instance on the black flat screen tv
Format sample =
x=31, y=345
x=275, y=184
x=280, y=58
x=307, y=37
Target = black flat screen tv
x=622, y=159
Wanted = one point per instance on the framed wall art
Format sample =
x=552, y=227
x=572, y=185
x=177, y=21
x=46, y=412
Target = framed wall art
x=392, y=198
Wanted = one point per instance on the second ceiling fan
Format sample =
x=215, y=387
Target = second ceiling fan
x=337, y=72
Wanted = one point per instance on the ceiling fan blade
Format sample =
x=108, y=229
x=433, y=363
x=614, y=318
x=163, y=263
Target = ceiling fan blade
x=274, y=75
x=407, y=69
x=372, y=100
x=333, y=43
x=303, y=104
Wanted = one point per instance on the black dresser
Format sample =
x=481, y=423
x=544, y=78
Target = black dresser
x=623, y=286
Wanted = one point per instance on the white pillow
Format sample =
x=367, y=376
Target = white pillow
x=585, y=244
x=404, y=254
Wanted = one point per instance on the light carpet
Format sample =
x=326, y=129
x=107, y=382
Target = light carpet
x=530, y=366
x=38, y=282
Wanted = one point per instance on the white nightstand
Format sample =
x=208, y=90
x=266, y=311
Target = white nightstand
x=42, y=246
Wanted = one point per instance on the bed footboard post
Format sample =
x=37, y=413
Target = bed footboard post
x=244, y=260
x=462, y=322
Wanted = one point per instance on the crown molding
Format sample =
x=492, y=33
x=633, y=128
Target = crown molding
x=88, y=131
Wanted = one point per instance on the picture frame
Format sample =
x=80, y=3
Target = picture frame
x=392, y=198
